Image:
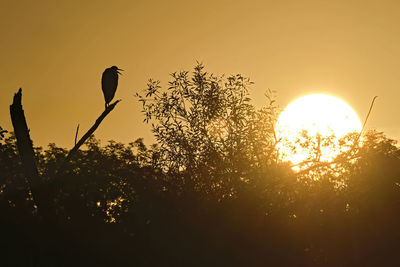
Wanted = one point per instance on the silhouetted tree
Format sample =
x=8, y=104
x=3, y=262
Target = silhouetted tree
x=206, y=126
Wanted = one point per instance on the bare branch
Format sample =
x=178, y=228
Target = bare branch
x=366, y=118
x=76, y=134
x=91, y=130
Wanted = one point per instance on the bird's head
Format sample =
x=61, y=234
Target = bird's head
x=116, y=69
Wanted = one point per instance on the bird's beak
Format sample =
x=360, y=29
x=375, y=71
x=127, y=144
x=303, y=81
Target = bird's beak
x=119, y=72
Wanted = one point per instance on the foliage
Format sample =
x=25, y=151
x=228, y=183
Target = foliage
x=206, y=126
x=129, y=204
x=113, y=201
x=2, y=132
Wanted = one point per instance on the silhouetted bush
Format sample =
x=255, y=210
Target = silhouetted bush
x=202, y=198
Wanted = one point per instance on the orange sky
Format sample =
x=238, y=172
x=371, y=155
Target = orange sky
x=57, y=50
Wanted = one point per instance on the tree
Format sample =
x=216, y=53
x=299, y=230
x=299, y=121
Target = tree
x=206, y=126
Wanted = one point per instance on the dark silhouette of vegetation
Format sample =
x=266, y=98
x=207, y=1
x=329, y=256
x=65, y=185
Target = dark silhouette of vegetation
x=2, y=133
x=211, y=192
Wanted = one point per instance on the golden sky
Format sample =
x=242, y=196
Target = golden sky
x=57, y=50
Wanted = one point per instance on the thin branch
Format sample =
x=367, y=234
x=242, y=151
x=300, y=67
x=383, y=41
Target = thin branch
x=366, y=118
x=90, y=131
x=363, y=127
x=76, y=134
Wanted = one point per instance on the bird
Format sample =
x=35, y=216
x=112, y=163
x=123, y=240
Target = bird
x=109, y=83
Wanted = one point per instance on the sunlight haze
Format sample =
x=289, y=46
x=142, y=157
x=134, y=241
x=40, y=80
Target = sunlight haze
x=318, y=114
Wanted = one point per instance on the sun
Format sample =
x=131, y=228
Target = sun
x=310, y=128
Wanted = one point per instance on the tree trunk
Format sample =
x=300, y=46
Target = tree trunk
x=24, y=144
x=40, y=194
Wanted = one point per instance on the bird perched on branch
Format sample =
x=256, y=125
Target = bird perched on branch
x=109, y=83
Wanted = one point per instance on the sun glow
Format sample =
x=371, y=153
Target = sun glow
x=310, y=128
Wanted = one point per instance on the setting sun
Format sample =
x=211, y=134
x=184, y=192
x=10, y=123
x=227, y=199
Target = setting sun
x=314, y=116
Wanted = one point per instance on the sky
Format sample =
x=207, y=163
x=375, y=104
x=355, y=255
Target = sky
x=57, y=50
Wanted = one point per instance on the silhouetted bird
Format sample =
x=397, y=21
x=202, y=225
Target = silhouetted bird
x=109, y=83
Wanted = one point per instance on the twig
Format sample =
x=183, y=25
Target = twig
x=363, y=127
x=366, y=118
x=76, y=134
